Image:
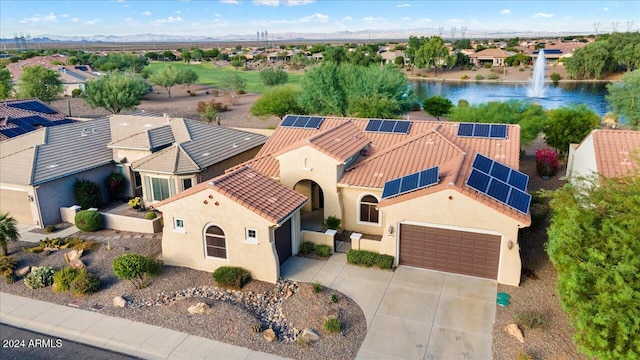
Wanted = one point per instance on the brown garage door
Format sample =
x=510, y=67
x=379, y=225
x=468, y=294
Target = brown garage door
x=283, y=241
x=459, y=252
x=17, y=204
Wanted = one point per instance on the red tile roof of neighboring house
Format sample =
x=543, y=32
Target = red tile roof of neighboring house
x=254, y=191
x=391, y=155
x=617, y=151
x=490, y=53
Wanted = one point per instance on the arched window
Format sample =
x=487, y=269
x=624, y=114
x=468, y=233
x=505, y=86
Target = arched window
x=369, y=209
x=215, y=242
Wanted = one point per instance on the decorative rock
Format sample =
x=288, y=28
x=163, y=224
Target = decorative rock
x=119, y=301
x=289, y=293
x=269, y=335
x=76, y=264
x=198, y=308
x=514, y=330
x=334, y=313
x=73, y=254
x=22, y=271
x=310, y=335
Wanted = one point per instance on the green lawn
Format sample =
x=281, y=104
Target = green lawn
x=209, y=74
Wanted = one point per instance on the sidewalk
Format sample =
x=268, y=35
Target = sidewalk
x=28, y=236
x=115, y=334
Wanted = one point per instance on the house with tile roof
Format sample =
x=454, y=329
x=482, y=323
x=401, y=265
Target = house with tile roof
x=21, y=116
x=495, y=57
x=158, y=156
x=438, y=195
x=72, y=76
x=607, y=152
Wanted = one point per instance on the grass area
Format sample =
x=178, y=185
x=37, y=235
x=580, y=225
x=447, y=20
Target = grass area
x=209, y=74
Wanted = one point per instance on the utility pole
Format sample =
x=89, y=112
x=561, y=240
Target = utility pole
x=629, y=25
x=614, y=26
x=441, y=30
x=463, y=29
x=596, y=26
x=453, y=32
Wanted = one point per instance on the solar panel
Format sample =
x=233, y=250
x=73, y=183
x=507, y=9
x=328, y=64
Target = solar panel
x=500, y=171
x=482, y=163
x=373, y=125
x=314, y=122
x=478, y=180
x=519, y=200
x=33, y=106
x=288, y=120
x=465, y=129
x=387, y=126
x=402, y=127
x=409, y=182
x=498, y=190
x=301, y=121
x=429, y=177
x=518, y=180
x=391, y=188
x=498, y=131
x=482, y=130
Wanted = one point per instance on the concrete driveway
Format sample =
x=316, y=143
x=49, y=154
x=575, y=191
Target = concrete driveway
x=411, y=313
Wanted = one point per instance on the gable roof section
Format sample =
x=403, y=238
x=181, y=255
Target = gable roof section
x=172, y=160
x=254, y=191
x=617, y=151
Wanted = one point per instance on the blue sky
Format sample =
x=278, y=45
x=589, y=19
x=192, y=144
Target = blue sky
x=222, y=17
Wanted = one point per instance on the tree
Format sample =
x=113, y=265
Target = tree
x=271, y=76
x=335, y=54
x=168, y=55
x=323, y=92
x=40, y=82
x=115, y=91
x=593, y=244
x=624, y=97
x=5, y=84
x=462, y=44
x=437, y=106
x=279, y=101
x=166, y=77
x=233, y=83
x=432, y=53
x=374, y=106
x=238, y=61
x=8, y=232
x=187, y=77
x=568, y=125
x=531, y=117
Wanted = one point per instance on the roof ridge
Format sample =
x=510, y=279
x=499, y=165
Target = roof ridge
x=182, y=149
x=322, y=133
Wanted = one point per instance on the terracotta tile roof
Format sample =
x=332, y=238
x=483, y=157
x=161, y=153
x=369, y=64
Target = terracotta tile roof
x=617, y=151
x=490, y=53
x=389, y=155
x=254, y=191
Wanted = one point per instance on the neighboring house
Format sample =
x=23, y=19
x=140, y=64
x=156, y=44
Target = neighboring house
x=72, y=76
x=408, y=187
x=610, y=153
x=38, y=169
x=239, y=219
x=19, y=117
x=389, y=57
x=495, y=57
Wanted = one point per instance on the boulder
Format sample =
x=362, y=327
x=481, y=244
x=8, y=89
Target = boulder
x=76, y=264
x=269, y=335
x=72, y=255
x=22, y=271
x=119, y=301
x=289, y=293
x=334, y=313
x=514, y=330
x=309, y=335
x=198, y=308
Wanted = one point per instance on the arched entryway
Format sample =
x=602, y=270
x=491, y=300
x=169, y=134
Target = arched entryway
x=312, y=214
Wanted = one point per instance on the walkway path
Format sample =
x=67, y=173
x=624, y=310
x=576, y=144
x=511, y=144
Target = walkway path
x=411, y=313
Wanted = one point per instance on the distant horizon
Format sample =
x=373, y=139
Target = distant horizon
x=278, y=20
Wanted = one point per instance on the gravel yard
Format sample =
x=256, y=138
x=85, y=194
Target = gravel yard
x=227, y=320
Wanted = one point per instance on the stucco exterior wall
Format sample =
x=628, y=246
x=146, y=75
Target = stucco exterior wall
x=582, y=160
x=453, y=210
x=53, y=195
x=306, y=163
x=351, y=205
x=27, y=191
x=219, y=168
x=188, y=249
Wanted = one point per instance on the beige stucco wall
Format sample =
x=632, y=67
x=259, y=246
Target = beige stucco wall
x=319, y=238
x=351, y=205
x=28, y=190
x=582, y=160
x=219, y=168
x=458, y=213
x=188, y=249
x=306, y=163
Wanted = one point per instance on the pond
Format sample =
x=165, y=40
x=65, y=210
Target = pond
x=591, y=94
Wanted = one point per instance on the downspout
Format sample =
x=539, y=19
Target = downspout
x=37, y=203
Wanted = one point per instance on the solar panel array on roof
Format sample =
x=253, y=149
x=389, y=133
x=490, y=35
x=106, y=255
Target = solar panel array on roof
x=492, y=131
x=33, y=106
x=500, y=182
x=414, y=181
x=388, y=126
x=301, y=121
x=24, y=125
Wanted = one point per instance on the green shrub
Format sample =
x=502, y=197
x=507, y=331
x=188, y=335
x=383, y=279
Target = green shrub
x=50, y=228
x=62, y=279
x=76, y=93
x=332, y=325
x=231, y=276
x=524, y=356
x=7, y=265
x=11, y=278
x=136, y=268
x=334, y=298
x=532, y=320
x=493, y=76
x=479, y=77
x=323, y=250
x=87, y=194
x=150, y=215
x=332, y=223
x=487, y=65
x=464, y=77
x=307, y=247
x=85, y=283
x=317, y=287
x=115, y=184
x=384, y=261
x=39, y=277
x=521, y=69
x=555, y=77
x=88, y=220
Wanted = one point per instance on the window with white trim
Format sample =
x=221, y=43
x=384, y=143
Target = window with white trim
x=369, y=210
x=178, y=225
x=251, y=236
x=215, y=242
x=159, y=188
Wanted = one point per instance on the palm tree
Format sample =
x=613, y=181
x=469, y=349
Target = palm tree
x=8, y=232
